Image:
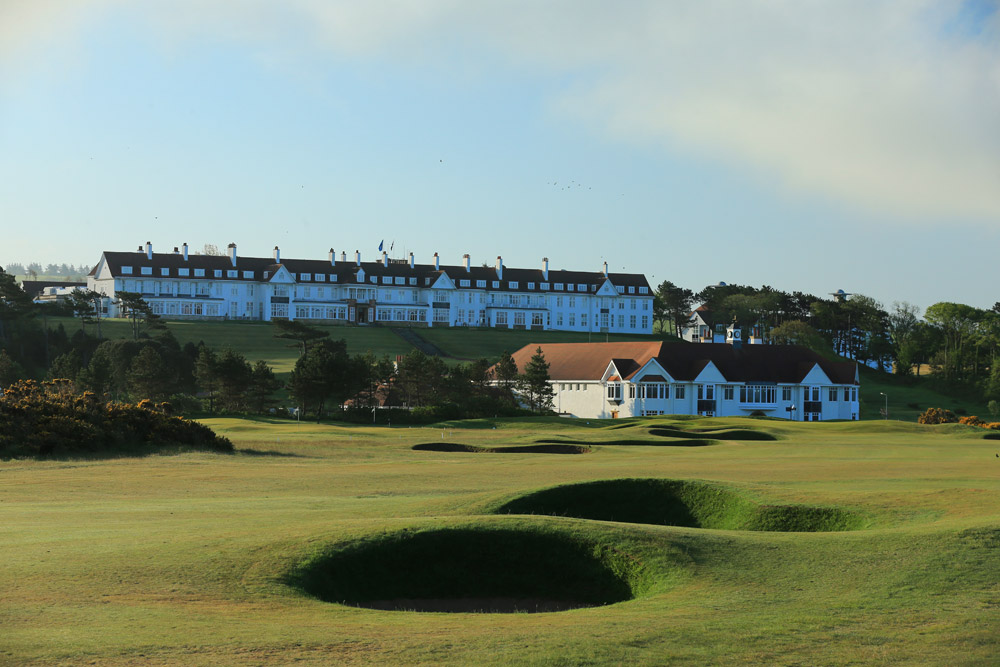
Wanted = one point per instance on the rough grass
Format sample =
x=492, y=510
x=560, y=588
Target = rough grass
x=186, y=559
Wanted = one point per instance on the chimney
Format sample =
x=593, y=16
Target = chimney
x=185, y=247
x=385, y=258
x=149, y=250
x=411, y=260
x=437, y=262
x=605, y=269
x=343, y=255
x=232, y=254
x=499, y=267
x=545, y=269
x=277, y=255
x=177, y=250
x=333, y=257
x=357, y=257
x=468, y=262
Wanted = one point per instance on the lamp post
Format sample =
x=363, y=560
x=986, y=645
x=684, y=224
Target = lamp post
x=885, y=412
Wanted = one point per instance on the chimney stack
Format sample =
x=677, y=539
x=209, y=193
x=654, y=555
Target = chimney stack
x=385, y=258
x=357, y=257
x=149, y=250
x=411, y=260
x=437, y=262
x=605, y=269
x=468, y=262
x=177, y=250
x=232, y=254
x=545, y=269
x=333, y=257
x=277, y=255
x=499, y=267
x=185, y=248
x=343, y=255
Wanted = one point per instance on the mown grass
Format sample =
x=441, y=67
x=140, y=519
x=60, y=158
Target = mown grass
x=189, y=559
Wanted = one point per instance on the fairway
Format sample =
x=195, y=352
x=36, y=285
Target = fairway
x=830, y=543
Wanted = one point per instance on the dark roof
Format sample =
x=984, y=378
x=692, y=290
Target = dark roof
x=34, y=287
x=346, y=272
x=684, y=361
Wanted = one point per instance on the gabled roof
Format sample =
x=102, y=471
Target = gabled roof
x=684, y=361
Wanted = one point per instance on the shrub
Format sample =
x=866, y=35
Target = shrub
x=937, y=416
x=971, y=420
x=51, y=419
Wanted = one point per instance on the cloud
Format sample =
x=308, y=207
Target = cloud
x=888, y=107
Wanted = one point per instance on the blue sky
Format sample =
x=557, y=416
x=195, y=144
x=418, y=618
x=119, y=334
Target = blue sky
x=850, y=145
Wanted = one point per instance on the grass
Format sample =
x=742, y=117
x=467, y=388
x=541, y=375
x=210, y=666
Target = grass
x=194, y=558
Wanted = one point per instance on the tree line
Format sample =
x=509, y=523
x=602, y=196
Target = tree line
x=958, y=342
x=35, y=269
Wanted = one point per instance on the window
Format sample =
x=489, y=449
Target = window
x=183, y=272
x=164, y=272
x=643, y=290
x=512, y=284
x=519, y=318
x=559, y=319
x=631, y=289
x=572, y=319
x=146, y=270
x=496, y=284
x=679, y=391
x=400, y=280
x=559, y=287
x=248, y=275
x=645, y=322
x=333, y=279
x=545, y=286
x=569, y=287
x=463, y=283
x=833, y=394
x=199, y=273
x=531, y=285
x=217, y=273
x=631, y=321
x=386, y=280
x=502, y=318
x=786, y=393
x=480, y=283
x=536, y=319
x=127, y=269
x=631, y=391
x=583, y=319
x=320, y=277
x=614, y=391
x=757, y=394
x=727, y=392
x=413, y=281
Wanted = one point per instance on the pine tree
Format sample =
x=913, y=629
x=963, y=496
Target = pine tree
x=534, y=385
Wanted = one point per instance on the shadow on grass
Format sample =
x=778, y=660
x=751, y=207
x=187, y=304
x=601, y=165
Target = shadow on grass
x=269, y=452
x=685, y=442
x=543, y=448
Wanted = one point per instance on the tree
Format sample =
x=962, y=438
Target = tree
x=135, y=308
x=262, y=386
x=320, y=375
x=233, y=374
x=506, y=369
x=205, y=374
x=67, y=365
x=148, y=376
x=295, y=330
x=421, y=378
x=10, y=371
x=957, y=323
x=15, y=305
x=534, y=385
x=675, y=303
x=796, y=332
x=86, y=304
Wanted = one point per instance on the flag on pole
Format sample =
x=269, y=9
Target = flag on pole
x=380, y=244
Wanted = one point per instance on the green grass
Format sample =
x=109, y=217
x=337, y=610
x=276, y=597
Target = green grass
x=902, y=392
x=199, y=558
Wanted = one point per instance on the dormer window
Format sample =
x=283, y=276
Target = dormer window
x=164, y=272
x=559, y=287
x=184, y=273
x=199, y=273
x=320, y=277
x=631, y=289
x=305, y=276
x=512, y=284
x=146, y=270
x=463, y=283
x=531, y=285
x=480, y=283
x=569, y=287
x=218, y=273
x=333, y=277
x=545, y=286
x=248, y=275
x=496, y=284
x=232, y=273
x=643, y=290
x=413, y=281
x=400, y=280
x=266, y=274
x=581, y=288
x=127, y=270
x=386, y=280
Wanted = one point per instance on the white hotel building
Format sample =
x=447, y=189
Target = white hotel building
x=179, y=285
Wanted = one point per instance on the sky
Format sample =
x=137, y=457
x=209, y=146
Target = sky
x=813, y=146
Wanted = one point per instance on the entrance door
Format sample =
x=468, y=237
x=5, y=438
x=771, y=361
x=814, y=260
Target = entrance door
x=614, y=414
x=362, y=313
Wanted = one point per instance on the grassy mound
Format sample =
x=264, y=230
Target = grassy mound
x=678, y=503
x=49, y=420
x=713, y=434
x=687, y=442
x=543, y=448
x=473, y=569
